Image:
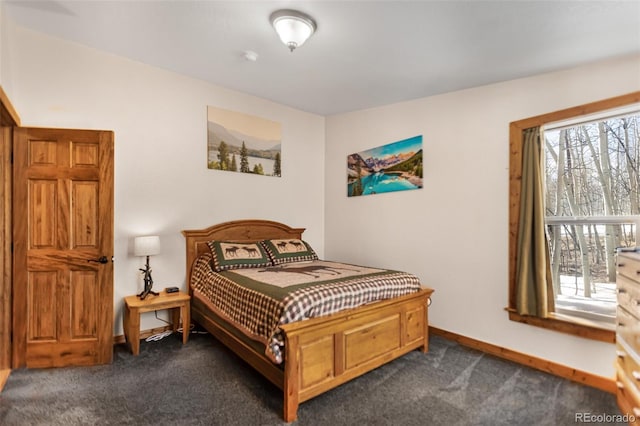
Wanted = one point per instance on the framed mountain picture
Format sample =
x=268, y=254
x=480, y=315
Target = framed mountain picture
x=393, y=167
x=243, y=143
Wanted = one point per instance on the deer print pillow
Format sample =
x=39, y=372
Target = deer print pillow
x=232, y=255
x=289, y=250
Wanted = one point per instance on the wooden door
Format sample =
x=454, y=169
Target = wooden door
x=63, y=223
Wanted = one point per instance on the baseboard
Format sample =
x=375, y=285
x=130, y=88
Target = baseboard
x=603, y=383
x=4, y=375
x=143, y=334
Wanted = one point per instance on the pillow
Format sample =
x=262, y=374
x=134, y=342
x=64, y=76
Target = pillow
x=289, y=250
x=232, y=255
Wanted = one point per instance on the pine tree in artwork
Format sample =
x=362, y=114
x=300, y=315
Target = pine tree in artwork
x=357, y=189
x=276, y=166
x=244, y=159
x=234, y=166
x=223, y=155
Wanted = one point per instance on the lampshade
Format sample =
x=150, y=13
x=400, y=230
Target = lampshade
x=293, y=27
x=146, y=246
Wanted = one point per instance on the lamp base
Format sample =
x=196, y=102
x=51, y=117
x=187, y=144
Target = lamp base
x=148, y=281
x=145, y=293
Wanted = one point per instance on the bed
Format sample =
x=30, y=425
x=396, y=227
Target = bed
x=320, y=353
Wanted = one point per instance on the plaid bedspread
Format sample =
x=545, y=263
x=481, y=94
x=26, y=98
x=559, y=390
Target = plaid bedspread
x=258, y=312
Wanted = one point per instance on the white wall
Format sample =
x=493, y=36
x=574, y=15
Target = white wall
x=162, y=184
x=453, y=233
x=3, y=26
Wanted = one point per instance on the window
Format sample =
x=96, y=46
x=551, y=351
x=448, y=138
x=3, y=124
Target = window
x=591, y=208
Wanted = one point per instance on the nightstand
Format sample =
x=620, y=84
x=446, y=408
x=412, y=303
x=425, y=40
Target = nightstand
x=177, y=303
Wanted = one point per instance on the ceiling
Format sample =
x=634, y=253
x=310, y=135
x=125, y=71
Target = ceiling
x=364, y=53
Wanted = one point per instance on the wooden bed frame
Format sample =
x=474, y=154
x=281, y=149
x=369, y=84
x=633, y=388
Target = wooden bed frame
x=320, y=353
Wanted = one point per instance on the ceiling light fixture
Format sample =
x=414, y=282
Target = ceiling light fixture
x=293, y=27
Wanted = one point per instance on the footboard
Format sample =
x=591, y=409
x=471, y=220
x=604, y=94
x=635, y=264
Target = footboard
x=323, y=353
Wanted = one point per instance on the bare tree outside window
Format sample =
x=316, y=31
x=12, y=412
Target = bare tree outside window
x=593, y=206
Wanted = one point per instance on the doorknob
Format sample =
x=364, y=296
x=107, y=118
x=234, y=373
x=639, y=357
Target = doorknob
x=101, y=259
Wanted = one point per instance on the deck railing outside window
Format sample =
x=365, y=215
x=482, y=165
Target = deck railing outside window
x=583, y=262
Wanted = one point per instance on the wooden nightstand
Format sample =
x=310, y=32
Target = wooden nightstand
x=178, y=303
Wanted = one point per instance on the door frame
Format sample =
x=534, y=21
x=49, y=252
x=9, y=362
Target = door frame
x=8, y=120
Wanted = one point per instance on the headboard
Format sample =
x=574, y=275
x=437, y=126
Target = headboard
x=249, y=230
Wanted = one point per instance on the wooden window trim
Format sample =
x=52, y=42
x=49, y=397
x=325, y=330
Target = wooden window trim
x=555, y=322
x=564, y=325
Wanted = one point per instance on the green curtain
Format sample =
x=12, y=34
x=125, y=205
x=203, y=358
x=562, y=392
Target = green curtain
x=534, y=288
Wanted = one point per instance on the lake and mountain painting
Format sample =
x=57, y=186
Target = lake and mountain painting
x=393, y=167
x=243, y=143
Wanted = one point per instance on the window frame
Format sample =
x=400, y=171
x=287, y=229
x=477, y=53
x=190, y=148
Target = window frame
x=557, y=322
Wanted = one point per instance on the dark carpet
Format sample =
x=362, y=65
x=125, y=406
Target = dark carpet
x=203, y=383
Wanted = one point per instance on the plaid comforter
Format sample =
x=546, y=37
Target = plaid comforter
x=258, y=309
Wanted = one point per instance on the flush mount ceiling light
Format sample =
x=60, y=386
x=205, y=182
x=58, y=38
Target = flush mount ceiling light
x=293, y=27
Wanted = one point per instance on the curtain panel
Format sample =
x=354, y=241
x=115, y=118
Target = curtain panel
x=534, y=288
